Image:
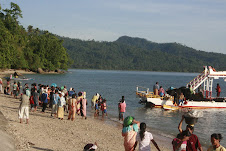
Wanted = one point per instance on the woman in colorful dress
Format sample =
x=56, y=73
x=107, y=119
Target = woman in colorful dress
x=72, y=105
x=79, y=99
x=83, y=105
x=61, y=103
x=129, y=132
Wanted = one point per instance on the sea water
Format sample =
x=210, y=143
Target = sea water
x=112, y=85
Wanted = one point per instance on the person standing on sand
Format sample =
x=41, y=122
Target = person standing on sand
x=55, y=103
x=61, y=104
x=36, y=99
x=15, y=90
x=193, y=143
x=83, y=105
x=1, y=85
x=104, y=108
x=72, y=102
x=180, y=143
x=144, y=139
x=8, y=87
x=79, y=99
x=129, y=133
x=122, y=109
x=156, y=88
x=215, y=140
x=24, y=106
x=44, y=100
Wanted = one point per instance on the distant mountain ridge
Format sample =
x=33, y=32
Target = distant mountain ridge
x=129, y=53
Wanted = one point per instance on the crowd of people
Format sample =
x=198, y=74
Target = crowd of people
x=58, y=99
x=135, y=133
x=61, y=100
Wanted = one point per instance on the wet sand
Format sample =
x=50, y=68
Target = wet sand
x=47, y=133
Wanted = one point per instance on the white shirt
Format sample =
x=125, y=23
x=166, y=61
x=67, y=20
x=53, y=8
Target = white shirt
x=144, y=145
x=61, y=102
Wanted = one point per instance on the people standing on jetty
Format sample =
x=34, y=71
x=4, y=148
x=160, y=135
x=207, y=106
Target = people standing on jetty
x=215, y=140
x=83, y=104
x=156, y=88
x=161, y=91
x=61, y=103
x=218, y=90
x=180, y=142
x=72, y=104
x=129, y=132
x=193, y=143
x=24, y=106
x=122, y=109
x=144, y=138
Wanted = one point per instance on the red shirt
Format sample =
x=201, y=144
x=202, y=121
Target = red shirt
x=122, y=107
x=193, y=143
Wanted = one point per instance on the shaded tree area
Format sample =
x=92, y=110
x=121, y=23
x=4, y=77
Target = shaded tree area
x=28, y=49
x=128, y=53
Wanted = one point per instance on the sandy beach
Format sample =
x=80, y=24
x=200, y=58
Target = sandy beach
x=12, y=71
x=51, y=134
x=47, y=133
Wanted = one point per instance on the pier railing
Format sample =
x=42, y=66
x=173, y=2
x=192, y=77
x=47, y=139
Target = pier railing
x=144, y=92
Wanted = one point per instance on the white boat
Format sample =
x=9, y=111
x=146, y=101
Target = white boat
x=205, y=77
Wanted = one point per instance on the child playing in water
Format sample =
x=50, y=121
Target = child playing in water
x=104, y=107
x=96, y=109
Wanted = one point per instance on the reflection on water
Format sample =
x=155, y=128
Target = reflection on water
x=114, y=84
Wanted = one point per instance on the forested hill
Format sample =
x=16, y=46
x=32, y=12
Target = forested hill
x=129, y=53
x=28, y=49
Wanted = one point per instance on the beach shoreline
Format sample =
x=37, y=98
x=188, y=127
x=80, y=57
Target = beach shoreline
x=70, y=134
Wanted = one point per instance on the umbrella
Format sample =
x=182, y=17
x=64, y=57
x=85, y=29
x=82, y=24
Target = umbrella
x=54, y=84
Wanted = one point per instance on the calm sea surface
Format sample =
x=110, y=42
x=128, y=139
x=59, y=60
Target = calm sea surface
x=114, y=84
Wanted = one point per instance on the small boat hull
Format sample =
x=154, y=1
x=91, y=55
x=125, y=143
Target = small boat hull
x=189, y=104
x=170, y=107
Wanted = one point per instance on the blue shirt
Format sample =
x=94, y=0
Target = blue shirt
x=55, y=98
x=44, y=98
x=128, y=128
x=70, y=93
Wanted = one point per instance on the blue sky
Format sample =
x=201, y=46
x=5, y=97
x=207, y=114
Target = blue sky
x=200, y=24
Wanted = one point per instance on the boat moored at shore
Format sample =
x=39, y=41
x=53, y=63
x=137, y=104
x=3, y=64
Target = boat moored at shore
x=170, y=100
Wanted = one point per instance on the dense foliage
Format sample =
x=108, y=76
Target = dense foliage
x=128, y=53
x=28, y=49
x=32, y=49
